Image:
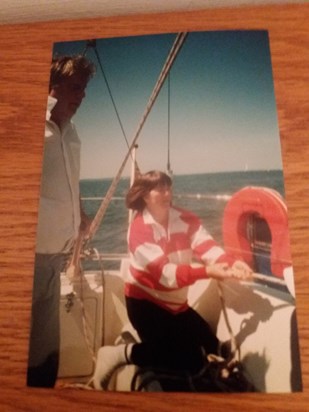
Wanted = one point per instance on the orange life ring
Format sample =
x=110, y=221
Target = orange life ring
x=266, y=204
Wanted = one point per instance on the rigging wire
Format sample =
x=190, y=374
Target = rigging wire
x=169, y=170
x=178, y=43
x=84, y=238
x=92, y=44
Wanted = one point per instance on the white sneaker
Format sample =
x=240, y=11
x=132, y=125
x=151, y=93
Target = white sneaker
x=109, y=358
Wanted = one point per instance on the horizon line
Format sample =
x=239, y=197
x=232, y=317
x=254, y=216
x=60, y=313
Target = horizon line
x=189, y=174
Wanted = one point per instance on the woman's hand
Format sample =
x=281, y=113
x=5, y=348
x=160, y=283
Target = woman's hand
x=219, y=271
x=241, y=271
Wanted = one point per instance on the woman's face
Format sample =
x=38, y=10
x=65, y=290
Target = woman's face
x=159, y=198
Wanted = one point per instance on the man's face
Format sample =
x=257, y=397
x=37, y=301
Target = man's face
x=69, y=94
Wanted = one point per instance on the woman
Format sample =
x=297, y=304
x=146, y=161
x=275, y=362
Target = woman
x=163, y=240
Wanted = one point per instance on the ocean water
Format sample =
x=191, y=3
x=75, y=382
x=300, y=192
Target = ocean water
x=204, y=194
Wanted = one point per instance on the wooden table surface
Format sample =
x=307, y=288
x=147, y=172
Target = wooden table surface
x=24, y=72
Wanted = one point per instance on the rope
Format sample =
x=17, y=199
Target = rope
x=235, y=348
x=169, y=171
x=88, y=384
x=84, y=320
x=83, y=309
x=255, y=276
x=170, y=60
x=85, y=238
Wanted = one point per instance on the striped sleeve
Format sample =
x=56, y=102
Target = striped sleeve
x=204, y=247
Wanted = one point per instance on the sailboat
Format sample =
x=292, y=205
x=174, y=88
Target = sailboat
x=259, y=315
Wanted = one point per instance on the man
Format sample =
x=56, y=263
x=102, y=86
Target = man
x=60, y=214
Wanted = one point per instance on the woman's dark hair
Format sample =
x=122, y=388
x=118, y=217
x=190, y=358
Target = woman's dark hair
x=143, y=184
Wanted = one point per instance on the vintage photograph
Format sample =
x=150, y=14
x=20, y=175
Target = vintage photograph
x=163, y=258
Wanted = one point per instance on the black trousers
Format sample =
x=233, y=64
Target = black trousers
x=169, y=341
x=45, y=328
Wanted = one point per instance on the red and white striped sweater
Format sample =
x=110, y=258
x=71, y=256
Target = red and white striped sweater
x=161, y=261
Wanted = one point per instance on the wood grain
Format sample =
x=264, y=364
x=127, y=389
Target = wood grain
x=24, y=70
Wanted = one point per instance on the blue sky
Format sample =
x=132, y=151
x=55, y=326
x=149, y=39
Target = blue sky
x=222, y=104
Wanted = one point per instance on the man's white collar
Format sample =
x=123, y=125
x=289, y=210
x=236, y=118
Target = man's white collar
x=51, y=103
